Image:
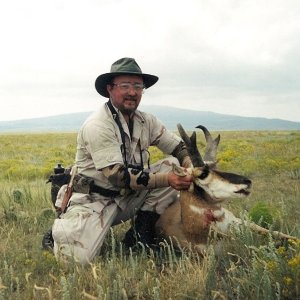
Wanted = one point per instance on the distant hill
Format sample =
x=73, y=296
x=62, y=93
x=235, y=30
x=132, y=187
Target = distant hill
x=215, y=121
x=170, y=116
x=66, y=122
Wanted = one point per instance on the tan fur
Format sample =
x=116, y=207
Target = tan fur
x=185, y=227
x=191, y=230
x=190, y=221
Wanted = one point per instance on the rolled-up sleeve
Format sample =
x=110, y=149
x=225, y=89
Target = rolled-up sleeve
x=168, y=142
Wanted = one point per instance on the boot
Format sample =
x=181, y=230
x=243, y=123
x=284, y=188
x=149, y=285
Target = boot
x=143, y=230
x=47, y=241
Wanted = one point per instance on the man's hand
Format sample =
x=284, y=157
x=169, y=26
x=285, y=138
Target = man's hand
x=179, y=182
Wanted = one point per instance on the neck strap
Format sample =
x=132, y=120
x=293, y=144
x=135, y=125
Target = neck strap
x=122, y=132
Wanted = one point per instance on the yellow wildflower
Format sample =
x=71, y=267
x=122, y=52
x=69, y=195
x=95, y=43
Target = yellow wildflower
x=281, y=250
x=271, y=265
x=287, y=280
x=28, y=261
x=295, y=261
x=295, y=243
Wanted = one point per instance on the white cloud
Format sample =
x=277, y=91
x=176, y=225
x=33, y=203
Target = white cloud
x=238, y=57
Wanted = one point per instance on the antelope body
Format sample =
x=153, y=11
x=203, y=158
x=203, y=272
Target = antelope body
x=189, y=221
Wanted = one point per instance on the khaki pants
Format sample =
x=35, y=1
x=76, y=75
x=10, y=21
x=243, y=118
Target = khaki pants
x=80, y=232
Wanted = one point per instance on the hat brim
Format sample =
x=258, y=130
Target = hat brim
x=103, y=80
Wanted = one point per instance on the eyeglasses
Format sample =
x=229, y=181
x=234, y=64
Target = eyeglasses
x=125, y=86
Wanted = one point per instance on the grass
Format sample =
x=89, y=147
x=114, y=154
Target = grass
x=248, y=266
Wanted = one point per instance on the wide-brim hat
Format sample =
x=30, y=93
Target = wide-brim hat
x=123, y=66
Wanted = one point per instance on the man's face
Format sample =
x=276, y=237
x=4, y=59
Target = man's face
x=126, y=92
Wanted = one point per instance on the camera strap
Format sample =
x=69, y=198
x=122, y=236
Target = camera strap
x=122, y=132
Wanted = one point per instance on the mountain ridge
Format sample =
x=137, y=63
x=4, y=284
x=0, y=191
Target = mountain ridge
x=170, y=116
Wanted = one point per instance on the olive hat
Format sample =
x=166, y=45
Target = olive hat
x=123, y=66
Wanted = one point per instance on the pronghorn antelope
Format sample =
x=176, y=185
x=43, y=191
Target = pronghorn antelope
x=198, y=212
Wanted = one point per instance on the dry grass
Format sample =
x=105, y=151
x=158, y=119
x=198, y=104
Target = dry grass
x=249, y=266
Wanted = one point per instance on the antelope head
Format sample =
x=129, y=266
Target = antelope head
x=212, y=185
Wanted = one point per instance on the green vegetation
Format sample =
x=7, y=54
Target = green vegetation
x=248, y=266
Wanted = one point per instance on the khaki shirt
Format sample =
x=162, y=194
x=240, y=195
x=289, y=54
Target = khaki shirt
x=99, y=142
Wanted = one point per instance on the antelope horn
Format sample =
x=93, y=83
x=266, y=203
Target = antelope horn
x=210, y=155
x=191, y=146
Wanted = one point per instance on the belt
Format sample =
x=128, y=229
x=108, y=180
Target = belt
x=102, y=191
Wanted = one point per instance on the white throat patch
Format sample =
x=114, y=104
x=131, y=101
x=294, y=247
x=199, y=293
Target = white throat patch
x=197, y=210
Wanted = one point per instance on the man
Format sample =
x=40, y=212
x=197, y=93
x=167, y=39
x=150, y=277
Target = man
x=112, y=151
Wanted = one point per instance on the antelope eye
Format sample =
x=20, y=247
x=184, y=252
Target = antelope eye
x=204, y=173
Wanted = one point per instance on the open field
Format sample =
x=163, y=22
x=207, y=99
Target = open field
x=249, y=266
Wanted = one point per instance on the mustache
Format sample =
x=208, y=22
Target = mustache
x=132, y=98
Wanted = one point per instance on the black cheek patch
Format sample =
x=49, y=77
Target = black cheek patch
x=204, y=173
x=143, y=179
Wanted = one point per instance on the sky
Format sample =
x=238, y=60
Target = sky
x=239, y=57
